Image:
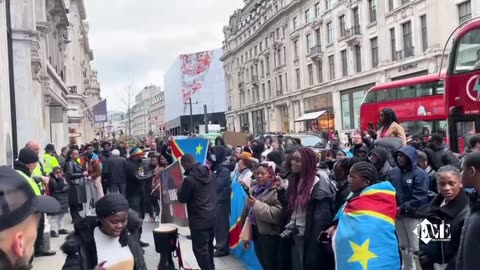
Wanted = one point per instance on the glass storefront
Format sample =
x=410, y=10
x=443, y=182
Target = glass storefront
x=323, y=102
x=258, y=120
x=351, y=100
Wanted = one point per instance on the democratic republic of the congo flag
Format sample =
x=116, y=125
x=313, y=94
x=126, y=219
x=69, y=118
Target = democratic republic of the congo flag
x=238, y=205
x=365, y=237
x=198, y=147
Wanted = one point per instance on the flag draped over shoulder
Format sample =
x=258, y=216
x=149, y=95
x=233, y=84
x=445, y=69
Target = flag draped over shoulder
x=365, y=237
x=198, y=147
x=238, y=205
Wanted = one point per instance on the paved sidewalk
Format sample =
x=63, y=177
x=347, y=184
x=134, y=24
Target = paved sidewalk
x=151, y=257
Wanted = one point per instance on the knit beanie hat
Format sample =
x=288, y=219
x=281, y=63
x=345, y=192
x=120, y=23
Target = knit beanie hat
x=27, y=156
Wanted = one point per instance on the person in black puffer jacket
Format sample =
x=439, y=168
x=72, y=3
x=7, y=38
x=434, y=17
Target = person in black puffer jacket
x=450, y=207
x=341, y=169
x=379, y=158
x=90, y=244
x=439, y=153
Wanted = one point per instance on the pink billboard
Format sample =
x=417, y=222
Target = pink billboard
x=193, y=68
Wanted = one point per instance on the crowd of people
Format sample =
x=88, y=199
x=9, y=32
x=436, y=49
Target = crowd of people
x=355, y=208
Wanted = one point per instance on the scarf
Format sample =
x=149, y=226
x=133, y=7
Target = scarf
x=259, y=193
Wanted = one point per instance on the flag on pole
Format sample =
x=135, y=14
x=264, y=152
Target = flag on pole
x=238, y=207
x=198, y=147
x=99, y=111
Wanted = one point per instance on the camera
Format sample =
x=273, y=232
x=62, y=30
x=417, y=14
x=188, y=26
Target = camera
x=290, y=230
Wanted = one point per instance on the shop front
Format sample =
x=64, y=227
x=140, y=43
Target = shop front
x=259, y=123
x=318, y=114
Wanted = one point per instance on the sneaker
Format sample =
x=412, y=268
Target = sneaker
x=62, y=231
x=53, y=234
x=143, y=244
x=45, y=253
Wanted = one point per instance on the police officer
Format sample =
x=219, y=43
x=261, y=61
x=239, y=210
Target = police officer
x=50, y=160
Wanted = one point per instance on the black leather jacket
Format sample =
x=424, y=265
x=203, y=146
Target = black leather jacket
x=73, y=170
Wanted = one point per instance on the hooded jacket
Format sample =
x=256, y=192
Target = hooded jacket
x=81, y=251
x=410, y=182
x=467, y=256
x=452, y=213
x=440, y=156
x=384, y=168
x=222, y=175
x=258, y=149
x=198, y=192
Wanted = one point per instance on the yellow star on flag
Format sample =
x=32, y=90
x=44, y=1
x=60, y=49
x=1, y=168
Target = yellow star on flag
x=362, y=254
x=199, y=149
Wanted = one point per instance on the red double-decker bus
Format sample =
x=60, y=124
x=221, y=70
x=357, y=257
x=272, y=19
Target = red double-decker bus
x=462, y=83
x=447, y=103
x=418, y=103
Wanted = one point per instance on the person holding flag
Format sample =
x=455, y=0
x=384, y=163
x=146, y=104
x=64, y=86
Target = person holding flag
x=364, y=235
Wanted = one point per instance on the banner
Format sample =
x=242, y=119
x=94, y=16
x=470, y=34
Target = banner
x=172, y=210
x=235, y=139
x=99, y=111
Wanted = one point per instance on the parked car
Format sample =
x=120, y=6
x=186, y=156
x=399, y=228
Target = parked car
x=313, y=141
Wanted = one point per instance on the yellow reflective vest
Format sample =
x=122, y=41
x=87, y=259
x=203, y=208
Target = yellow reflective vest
x=49, y=162
x=38, y=172
x=32, y=183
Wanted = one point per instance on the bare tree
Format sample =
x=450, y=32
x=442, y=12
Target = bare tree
x=127, y=102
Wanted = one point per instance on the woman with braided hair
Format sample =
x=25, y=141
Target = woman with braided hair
x=364, y=236
x=389, y=125
x=311, y=199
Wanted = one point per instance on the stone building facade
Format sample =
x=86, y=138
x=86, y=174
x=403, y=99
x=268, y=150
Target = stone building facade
x=157, y=114
x=287, y=61
x=51, y=91
x=141, y=118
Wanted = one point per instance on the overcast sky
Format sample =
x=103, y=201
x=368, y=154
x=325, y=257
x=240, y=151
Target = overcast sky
x=136, y=41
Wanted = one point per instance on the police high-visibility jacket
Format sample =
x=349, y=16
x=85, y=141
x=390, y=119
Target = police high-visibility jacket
x=39, y=172
x=32, y=183
x=49, y=162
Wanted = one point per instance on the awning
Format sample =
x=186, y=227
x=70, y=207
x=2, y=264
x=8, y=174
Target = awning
x=310, y=116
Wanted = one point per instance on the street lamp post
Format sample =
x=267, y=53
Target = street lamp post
x=191, y=114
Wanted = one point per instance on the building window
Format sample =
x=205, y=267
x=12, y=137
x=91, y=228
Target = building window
x=374, y=49
x=295, y=48
x=344, y=63
x=405, y=1
x=263, y=91
x=331, y=64
x=308, y=16
x=328, y=5
x=280, y=85
x=372, y=10
x=308, y=40
x=262, y=68
x=320, y=72
x=393, y=46
x=317, y=10
x=317, y=37
x=310, y=74
x=297, y=78
x=267, y=62
x=358, y=58
x=269, y=86
x=390, y=5
x=266, y=42
x=464, y=11
x=407, y=39
x=346, y=120
x=294, y=23
x=356, y=18
x=351, y=102
x=423, y=22
x=261, y=46
x=330, y=33
x=341, y=21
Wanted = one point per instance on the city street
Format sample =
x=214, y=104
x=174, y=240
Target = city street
x=151, y=257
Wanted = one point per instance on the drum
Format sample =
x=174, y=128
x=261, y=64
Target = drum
x=165, y=238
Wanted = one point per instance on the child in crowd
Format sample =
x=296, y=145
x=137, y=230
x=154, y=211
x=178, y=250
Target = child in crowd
x=59, y=190
x=265, y=216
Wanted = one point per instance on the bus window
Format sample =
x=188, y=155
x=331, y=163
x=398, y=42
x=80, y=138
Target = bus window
x=406, y=92
x=419, y=127
x=440, y=88
x=425, y=89
x=468, y=54
x=386, y=95
x=371, y=97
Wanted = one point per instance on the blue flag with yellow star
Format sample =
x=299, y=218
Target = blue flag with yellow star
x=365, y=237
x=198, y=147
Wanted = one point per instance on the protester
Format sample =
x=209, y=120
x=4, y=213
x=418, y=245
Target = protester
x=104, y=239
x=334, y=148
x=311, y=206
x=198, y=191
x=222, y=213
x=104, y=156
x=379, y=158
x=21, y=211
x=156, y=192
x=265, y=217
x=425, y=165
x=59, y=190
x=411, y=184
x=439, y=153
x=467, y=257
x=258, y=147
x=341, y=170
x=74, y=175
x=93, y=183
x=117, y=176
x=364, y=234
x=243, y=172
x=448, y=207
x=417, y=142
x=122, y=149
x=62, y=158
x=389, y=126
x=136, y=186
x=357, y=143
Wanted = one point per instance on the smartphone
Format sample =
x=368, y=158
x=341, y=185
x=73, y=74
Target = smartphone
x=247, y=190
x=370, y=126
x=323, y=238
